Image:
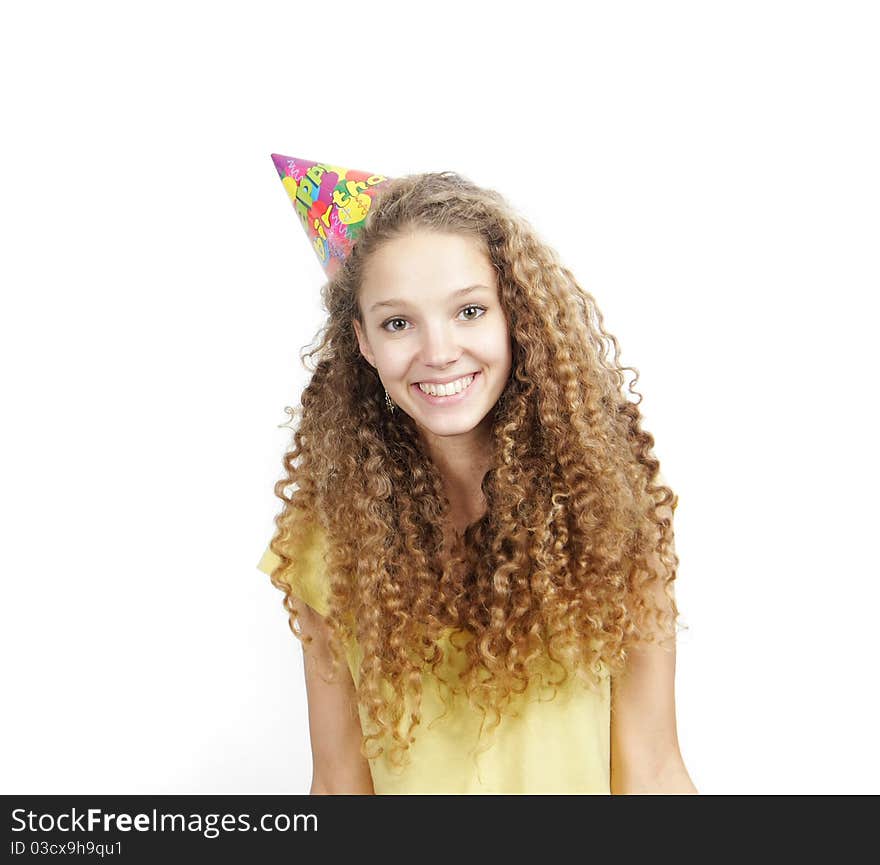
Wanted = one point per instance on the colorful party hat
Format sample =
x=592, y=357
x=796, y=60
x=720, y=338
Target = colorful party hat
x=331, y=202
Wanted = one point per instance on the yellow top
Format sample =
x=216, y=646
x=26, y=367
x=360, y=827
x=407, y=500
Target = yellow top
x=542, y=746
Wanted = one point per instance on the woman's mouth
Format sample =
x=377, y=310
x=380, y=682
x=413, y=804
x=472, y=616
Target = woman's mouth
x=467, y=385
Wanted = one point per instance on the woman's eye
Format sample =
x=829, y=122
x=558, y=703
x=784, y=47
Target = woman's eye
x=474, y=306
x=398, y=330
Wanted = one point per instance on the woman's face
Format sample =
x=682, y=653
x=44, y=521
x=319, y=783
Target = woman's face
x=431, y=313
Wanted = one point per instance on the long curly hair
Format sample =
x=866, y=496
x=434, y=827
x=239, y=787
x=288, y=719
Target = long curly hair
x=573, y=559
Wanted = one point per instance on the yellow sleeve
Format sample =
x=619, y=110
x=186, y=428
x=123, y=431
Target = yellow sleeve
x=308, y=577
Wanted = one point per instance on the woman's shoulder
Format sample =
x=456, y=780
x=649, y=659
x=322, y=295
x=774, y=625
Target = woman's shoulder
x=306, y=574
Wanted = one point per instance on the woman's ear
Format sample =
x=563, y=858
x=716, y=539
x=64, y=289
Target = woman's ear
x=362, y=343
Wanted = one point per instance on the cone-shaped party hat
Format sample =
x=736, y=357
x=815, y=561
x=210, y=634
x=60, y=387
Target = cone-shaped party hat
x=331, y=202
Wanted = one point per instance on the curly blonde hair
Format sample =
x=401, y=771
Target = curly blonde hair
x=573, y=559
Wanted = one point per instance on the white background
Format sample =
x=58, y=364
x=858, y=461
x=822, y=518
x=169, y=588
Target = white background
x=709, y=172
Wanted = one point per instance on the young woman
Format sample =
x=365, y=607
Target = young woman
x=475, y=545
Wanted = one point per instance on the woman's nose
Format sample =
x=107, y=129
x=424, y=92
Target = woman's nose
x=440, y=346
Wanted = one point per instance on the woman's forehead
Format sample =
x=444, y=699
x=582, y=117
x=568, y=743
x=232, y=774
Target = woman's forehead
x=420, y=259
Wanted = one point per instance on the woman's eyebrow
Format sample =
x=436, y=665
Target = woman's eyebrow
x=394, y=301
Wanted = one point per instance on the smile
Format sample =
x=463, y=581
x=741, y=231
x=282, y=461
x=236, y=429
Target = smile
x=451, y=398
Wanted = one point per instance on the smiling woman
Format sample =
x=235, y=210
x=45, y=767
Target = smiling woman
x=477, y=525
x=442, y=343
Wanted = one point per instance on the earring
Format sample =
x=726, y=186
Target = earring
x=388, y=402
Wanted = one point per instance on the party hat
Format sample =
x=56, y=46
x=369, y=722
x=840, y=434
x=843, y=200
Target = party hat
x=331, y=202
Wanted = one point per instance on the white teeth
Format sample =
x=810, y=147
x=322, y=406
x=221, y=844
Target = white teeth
x=446, y=389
